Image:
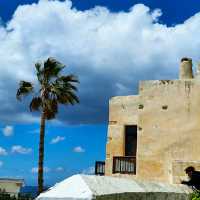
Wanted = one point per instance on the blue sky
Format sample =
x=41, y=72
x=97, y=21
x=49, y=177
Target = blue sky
x=110, y=48
x=74, y=152
x=174, y=11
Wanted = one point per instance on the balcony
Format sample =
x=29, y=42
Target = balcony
x=124, y=164
x=100, y=168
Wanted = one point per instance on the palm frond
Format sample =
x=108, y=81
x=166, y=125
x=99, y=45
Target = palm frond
x=68, y=78
x=25, y=88
x=68, y=99
x=67, y=82
x=54, y=88
x=64, y=90
x=52, y=68
x=38, y=67
x=35, y=104
x=39, y=72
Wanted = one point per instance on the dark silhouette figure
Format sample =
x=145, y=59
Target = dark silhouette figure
x=194, y=177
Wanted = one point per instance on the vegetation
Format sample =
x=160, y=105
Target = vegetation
x=5, y=196
x=54, y=89
x=195, y=195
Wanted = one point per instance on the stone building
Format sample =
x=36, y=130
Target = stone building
x=156, y=134
x=11, y=186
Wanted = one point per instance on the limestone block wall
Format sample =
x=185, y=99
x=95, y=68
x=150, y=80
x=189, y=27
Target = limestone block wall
x=122, y=112
x=169, y=129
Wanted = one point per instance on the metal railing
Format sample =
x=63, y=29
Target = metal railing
x=124, y=164
x=100, y=168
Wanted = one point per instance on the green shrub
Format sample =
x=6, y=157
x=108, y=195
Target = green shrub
x=195, y=195
x=6, y=196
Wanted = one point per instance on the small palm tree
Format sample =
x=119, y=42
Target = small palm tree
x=54, y=89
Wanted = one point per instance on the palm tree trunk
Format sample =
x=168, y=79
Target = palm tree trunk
x=41, y=153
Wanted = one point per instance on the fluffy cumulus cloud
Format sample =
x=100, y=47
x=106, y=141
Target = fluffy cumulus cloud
x=78, y=149
x=8, y=131
x=59, y=169
x=110, y=52
x=57, y=140
x=3, y=151
x=20, y=149
x=34, y=170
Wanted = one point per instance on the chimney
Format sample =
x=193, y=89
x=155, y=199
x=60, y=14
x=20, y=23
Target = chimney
x=186, y=69
x=198, y=71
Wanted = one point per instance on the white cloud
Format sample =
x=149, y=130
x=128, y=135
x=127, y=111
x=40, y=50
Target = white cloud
x=34, y=170
x=19, y=116
x=57, y=140
x=115, y=50
x=34, y=131
x=59, y=169
x=8, y=131
x=1, y=164
x=3, y=152
x=20, y=149
x=89, y=170
x=28, y=118
x=78, y=149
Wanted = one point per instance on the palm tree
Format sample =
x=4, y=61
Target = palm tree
x=54, y=89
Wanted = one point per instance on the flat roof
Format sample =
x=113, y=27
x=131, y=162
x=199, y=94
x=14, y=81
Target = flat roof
x=12, y=179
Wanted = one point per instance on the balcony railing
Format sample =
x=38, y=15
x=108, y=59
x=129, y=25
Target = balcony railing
x=100, y=168
x=124, y=164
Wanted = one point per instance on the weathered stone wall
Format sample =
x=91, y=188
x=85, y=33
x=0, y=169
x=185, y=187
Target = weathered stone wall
x=169, y=129
x=122, y=111
x=178, y=167
x=167, y=114
x=168, y=117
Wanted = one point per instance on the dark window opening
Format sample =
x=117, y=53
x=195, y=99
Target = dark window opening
x=127, y=164
x=130, y=140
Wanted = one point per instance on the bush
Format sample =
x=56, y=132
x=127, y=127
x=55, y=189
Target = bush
x=6, y=196
x=195, y=195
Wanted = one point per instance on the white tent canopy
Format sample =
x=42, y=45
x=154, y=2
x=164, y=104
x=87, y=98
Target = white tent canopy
x=72, y=188
x=85, y=187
